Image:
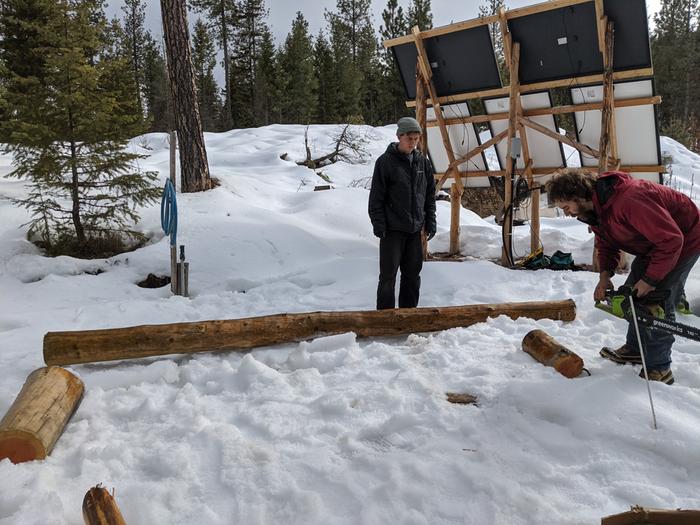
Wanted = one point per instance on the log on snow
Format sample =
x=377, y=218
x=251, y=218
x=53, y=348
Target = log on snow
x=100, y=508
x=639, y=515
x=244, y=334
x=549, y=352
x=38, y=416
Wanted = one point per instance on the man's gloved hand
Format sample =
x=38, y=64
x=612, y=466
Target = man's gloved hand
x=430, y=234
x=379, y=234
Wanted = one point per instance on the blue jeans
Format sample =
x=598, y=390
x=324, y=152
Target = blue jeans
x=657, y=344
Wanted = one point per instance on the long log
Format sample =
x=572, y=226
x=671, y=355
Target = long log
x=639, y=515
x=243, y=334
x=38, y=416
x=100, y=508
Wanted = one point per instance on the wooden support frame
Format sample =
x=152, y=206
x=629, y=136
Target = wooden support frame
x=427, y=74
x=513, y=64
x=557, y=110
x=519, y=119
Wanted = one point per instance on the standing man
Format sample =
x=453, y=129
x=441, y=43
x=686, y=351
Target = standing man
x=658, y=225
x=401, y=204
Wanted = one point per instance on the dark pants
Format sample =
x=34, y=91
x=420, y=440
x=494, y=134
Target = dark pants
x=399, y=250
x=657, y=344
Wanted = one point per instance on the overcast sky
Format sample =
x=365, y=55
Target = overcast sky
x=282, y=12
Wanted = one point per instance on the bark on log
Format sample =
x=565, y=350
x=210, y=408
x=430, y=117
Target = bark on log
x=38, y=416
x=100, y=508
x=549, y=352
x=243, y=334
x=639, y=515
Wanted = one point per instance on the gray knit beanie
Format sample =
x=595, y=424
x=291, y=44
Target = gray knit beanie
x=408, y=125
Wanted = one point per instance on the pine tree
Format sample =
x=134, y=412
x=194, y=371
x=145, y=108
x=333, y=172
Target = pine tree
x=203, y=60
x=326, y=81
x=675, y=53
x=71, y=118
x=135, y=38
x=420, y=14
x=267, y=82
x=392, y=97
x=354, y=47
x=222, y=15
x=297, y=59
x=156, y=93
x=250, y=28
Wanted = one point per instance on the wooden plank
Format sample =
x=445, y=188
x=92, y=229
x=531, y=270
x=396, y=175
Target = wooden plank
x=455, y=209
x=505, y=33
x=542, y=7
x=442, y=30
x=607, y=126
x=541, y=86
x=563, y=138
x=486, y=145
x=541, y=171
x=600, y=24
x=558, y=110
x=426, y=71
x=421, y=112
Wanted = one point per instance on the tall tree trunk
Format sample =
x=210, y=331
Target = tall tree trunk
x=193, y=155
x=75, y=184
x=228, y=105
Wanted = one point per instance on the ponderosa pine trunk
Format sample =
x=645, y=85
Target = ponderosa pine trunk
x=194, y=170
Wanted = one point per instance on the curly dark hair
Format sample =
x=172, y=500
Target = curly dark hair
x=571, y=185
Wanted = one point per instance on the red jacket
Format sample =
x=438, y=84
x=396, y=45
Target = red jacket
x=645, y=219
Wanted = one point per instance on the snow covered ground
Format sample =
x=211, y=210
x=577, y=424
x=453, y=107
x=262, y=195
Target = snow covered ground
x=337, y=430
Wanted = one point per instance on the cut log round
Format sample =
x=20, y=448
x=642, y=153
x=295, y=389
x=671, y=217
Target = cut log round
x=100, y=508
x=38, y=416
x=549, y=352
x=61, y=348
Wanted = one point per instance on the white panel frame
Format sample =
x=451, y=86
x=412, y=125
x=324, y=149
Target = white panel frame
x=545, y=152
x=463, y=138
x=636, y=129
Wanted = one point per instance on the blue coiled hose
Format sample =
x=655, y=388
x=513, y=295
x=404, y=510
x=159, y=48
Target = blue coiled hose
x=168, y=212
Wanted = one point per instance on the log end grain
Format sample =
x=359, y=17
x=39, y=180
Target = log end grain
x=19, y=446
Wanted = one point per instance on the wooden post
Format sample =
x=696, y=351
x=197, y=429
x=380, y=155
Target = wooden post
x=608, y=143
x=39, y=414
x=427, y=73
x=455, y=207
x=421, y=117
x=173, y=179
x=513, y=64
x=100, y=508
x=243, y=334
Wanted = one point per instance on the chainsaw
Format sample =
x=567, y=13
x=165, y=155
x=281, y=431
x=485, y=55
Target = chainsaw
x=648, y=311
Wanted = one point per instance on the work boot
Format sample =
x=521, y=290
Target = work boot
x=665, y=376
x=622, y=355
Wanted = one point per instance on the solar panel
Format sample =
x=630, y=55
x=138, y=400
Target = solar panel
x=544, y=151
x=563, y=43
x=637, y=132
x=463, y=138
x=462, y=62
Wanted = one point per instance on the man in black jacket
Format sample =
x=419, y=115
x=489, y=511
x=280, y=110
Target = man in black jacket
x=401, y=204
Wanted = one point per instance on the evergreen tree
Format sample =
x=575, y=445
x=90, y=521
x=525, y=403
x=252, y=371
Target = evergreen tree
x=392, y=98
x=297, y=60
x=156, y=93
x=135, y=38
x=327, y=84
x=420, y=14
x=68, y=131
x=203, y=60
x=675, y=56
x=267, y=82
x=354, y=47
x=250, y=28
x=491, y=7
x=222, y=15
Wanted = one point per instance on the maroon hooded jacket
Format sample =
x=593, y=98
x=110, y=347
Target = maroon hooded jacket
x=645, y=219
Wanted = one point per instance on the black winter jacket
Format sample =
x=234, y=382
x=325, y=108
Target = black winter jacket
x=402, y=196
